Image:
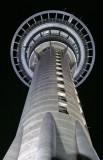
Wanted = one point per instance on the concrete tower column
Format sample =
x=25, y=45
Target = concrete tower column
x=52, y=90
x=52, y=56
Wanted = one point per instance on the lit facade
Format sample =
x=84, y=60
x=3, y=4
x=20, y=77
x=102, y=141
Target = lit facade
x=52, y=52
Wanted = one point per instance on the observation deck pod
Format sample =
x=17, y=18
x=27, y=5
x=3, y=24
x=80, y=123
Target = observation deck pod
x=60, y=30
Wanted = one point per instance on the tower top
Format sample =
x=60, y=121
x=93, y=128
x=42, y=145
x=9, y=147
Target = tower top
x=63, y=31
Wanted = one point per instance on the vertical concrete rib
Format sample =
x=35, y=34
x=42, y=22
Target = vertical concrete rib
x=47, y=138
x=84, y=147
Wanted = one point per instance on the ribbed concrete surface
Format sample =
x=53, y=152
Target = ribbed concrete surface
x=49, y=92
x=47, y=138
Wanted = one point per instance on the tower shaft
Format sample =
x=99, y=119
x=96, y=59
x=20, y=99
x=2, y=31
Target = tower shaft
x=52, y=52
x=52, y=90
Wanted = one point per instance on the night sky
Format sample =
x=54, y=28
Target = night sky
x=14, y=92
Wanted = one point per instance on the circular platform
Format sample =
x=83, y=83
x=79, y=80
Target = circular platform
x=59, y=29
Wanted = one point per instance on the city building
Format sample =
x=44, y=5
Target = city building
x=52, y=52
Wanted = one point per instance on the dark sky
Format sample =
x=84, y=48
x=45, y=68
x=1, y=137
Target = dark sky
x=13, y=91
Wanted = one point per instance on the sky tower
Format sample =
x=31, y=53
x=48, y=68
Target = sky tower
x=52, y=52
